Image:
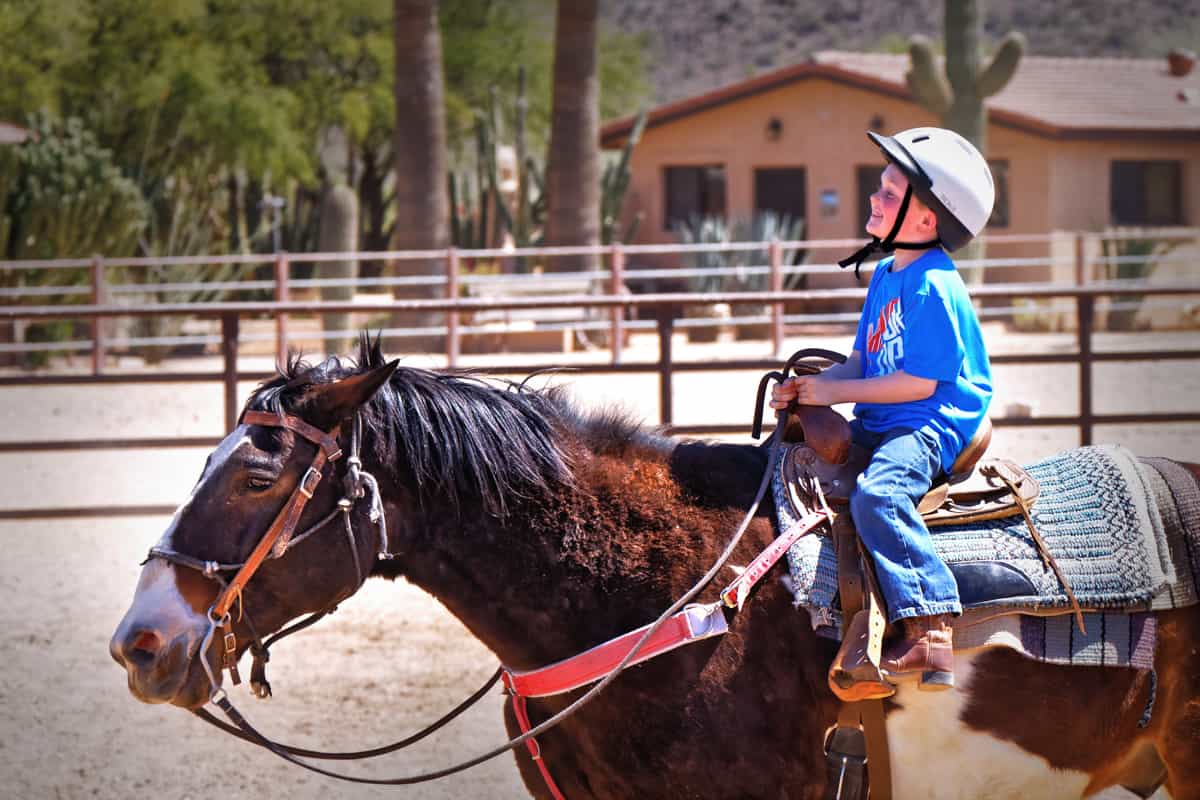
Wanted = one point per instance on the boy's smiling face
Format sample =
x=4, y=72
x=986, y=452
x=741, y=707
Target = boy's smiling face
x=920, y=224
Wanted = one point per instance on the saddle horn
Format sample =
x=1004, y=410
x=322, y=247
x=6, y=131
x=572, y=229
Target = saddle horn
x=825, y=430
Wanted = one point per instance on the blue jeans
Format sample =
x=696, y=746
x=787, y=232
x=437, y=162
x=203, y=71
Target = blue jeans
x=914, y=580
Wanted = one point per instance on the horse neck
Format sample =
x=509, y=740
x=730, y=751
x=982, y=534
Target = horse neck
x=556, y=578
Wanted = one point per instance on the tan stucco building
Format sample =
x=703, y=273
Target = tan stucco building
x=1076, y=145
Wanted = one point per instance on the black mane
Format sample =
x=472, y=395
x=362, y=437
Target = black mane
x=458, y=439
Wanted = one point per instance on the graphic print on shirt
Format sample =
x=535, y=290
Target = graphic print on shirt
x=884, y=337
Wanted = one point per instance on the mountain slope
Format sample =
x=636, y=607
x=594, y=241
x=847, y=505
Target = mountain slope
x=697, y=45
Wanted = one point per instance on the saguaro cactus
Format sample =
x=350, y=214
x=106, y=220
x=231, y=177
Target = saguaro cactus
x=957, y=95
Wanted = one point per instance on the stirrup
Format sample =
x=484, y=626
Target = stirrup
x=854, y=676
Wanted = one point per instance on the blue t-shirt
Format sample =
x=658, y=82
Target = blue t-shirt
x=920, y=320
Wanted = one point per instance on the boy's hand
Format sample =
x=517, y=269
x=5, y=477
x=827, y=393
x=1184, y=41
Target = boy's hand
x=807, y=390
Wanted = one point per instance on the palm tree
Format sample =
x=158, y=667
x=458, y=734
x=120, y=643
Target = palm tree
x=573, y=165
x=422, y=207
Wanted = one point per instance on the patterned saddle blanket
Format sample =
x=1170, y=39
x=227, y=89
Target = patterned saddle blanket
x=1118, y=528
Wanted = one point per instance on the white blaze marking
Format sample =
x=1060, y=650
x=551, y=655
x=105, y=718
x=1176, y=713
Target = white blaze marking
x=936, y=757
x=236, y=440
x=158, y=591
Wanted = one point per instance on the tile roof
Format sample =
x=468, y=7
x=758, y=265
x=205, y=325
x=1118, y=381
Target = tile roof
x=1047, y=95
x=1133, y=94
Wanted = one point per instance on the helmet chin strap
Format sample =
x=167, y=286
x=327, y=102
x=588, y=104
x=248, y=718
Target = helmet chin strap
x=888, y=243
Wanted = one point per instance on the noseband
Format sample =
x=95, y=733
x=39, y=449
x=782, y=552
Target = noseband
x=279, y=537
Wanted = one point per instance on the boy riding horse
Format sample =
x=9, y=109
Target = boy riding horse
x=921, y=382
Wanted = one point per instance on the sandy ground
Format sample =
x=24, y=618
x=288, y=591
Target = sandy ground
x=391, y=659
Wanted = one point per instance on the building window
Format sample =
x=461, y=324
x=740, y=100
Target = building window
x=1147, y=192
x=999, y=218
x=781, y=190
x=866, y=178
x=693, y=192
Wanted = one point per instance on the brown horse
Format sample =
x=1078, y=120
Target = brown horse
x=547, y=531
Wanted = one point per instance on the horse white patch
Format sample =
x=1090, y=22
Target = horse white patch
x=936, y=757
x=228, y=446
x=157, y=589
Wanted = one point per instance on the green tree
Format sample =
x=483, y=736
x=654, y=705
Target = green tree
x=248, y=90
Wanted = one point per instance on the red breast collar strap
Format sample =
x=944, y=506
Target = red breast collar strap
x=535, y=750
x=693, y=623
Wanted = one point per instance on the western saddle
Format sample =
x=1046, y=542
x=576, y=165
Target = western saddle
x=820, y=470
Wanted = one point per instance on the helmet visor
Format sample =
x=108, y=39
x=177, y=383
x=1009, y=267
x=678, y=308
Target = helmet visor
x=898, y=154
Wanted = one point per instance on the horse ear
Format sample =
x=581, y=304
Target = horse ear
x=333, y=402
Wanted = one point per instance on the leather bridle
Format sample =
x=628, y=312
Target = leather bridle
x=279, y=537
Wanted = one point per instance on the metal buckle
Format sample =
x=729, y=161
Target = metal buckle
x=308, y=484
x=229, y=658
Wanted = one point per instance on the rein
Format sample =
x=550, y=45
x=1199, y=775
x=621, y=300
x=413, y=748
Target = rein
x=278, y=537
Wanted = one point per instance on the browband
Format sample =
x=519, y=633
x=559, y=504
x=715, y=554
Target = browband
x=320, y=438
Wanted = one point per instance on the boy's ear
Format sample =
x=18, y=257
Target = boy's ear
x=928, y=219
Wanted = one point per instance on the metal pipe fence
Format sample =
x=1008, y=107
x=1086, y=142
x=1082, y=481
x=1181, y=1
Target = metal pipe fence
x=667, y=307
x=611, y=312
x=614, y=280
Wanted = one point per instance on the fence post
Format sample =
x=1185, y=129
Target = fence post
x=666, y=330
x=98, y=296
x=775, y=261
x=616, y=289
x=1085, y=310
x=452, y=342
x=229, y=353
x=281, y=295
x=1081, y=273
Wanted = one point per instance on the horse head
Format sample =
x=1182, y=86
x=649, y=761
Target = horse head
x=278, y=469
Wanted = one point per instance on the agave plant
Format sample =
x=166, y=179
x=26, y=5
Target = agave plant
x=1130, y=259
x=764, y=226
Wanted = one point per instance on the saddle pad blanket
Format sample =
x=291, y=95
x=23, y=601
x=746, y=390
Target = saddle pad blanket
x=1112, y=640
x=1177, y=496
x=1096, y=514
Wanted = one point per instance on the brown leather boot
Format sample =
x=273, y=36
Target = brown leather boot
x=927, y=649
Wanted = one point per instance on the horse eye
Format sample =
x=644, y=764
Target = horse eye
x=259, y=484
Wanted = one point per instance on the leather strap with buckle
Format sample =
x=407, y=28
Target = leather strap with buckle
x=284, y=525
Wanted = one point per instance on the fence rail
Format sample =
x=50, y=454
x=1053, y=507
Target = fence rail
x=667, y=307
x=1081, y=260
x=608, y=312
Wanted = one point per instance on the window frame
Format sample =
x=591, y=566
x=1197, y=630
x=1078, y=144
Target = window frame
x=1142, y=184
x=706, y=205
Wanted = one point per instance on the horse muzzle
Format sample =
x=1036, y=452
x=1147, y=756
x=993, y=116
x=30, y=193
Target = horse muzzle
x=157, y=669
x=158, y=642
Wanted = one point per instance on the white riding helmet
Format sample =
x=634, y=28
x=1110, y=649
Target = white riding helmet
x=948, y=174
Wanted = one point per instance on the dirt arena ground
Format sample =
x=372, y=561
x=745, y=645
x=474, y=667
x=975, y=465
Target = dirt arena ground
x=391, y=659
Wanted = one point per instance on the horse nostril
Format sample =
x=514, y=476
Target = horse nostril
x=144, y=650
